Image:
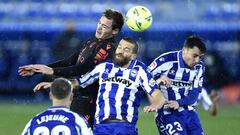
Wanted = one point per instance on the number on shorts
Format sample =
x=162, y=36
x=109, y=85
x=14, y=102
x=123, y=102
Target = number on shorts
x=171, y=127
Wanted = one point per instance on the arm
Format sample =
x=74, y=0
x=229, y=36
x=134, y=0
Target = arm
x=89, y=77
x=71, y=60
x=214, y=97
x=92, y=58
x=157, y=101
x=29, y=70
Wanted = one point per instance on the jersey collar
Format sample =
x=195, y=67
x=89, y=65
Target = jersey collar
x=182, y=64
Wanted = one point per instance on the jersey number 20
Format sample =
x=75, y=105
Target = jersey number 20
x=55, y=131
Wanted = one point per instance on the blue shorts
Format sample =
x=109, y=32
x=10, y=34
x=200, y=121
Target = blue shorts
x=115, y=128
x=179, y=123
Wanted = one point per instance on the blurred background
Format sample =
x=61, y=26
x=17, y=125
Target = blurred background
x=42, y=31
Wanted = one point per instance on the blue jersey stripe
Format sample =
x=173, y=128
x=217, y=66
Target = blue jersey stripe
x=184, y=79
x=119, y=90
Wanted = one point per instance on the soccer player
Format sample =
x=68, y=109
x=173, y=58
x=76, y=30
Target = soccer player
x=118, y=95
x=58, y=119
x=209, y=102
x=93, y=51
x=181, y=73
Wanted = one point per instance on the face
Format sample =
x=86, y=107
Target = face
x=192, y=56
x=104, y=29
x=124, y=54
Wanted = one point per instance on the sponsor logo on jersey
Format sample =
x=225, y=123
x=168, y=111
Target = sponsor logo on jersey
x=181, y=84
x=118, y=79
x=133, y=73
x=152, y=66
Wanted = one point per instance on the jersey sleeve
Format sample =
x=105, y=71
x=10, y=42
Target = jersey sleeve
x=26, y=130
x=156, y=67
x=205, y=99
x=147, y=82
x=91, y=76
x=82, y=125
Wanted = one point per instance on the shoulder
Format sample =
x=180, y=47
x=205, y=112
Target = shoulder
x=200, y=65
x=169, y=56
x=165, y=58
x=141, y=65
x=110, y=44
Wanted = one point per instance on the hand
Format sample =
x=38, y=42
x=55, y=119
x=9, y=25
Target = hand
x=150, y=108
x=39, y=68
x=214, y=96
x=164, y=80
x=42, y=85
x=173, y=104
x=26, y=70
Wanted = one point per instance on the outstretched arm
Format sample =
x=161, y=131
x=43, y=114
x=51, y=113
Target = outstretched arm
x=188, y=100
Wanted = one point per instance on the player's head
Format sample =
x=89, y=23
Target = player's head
x=126, y=51
x=109, y=24
x=193, y=50
x=61, y=89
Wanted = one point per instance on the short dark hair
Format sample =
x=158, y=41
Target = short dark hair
x=116, y=16
x=195, y=40
x=61, y=88
x=132, y=41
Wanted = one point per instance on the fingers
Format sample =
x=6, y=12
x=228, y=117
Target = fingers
x=42, y=85
x=26, y=70
x=163, y=80
x=173, y=104
x=149, y=109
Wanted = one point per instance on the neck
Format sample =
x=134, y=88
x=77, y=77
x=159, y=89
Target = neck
x=61, y=103
x=127, y=65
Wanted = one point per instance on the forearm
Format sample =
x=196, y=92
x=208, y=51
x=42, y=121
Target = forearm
x=70, y=71
x=189, y=99
x=157, y=98
x=75, y=83
x=213, y=109
x=71, y=60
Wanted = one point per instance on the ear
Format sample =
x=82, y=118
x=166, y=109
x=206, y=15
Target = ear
x=133, y=56
x=71, y=97
x=50, y=95
x=184, y=50
x=115, y=31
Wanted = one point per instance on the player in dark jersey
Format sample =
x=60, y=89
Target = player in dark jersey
x=93, y=51
x=58, y=119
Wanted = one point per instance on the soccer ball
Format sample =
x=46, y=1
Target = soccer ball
x=139, y=18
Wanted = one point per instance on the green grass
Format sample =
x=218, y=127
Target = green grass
x=14, y=117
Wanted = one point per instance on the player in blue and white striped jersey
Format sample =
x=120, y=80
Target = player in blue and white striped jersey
x=58, y=119
x=119, y=94
x=181, y=73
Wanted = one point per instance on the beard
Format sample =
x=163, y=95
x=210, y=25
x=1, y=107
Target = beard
x=120, y=62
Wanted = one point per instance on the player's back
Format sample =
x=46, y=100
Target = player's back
x=57, y=120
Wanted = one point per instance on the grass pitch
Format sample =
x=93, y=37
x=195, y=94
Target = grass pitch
x=14, y=117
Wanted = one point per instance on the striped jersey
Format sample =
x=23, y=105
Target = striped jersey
x=57, y=120
x=118, y=95
x=183, y=78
